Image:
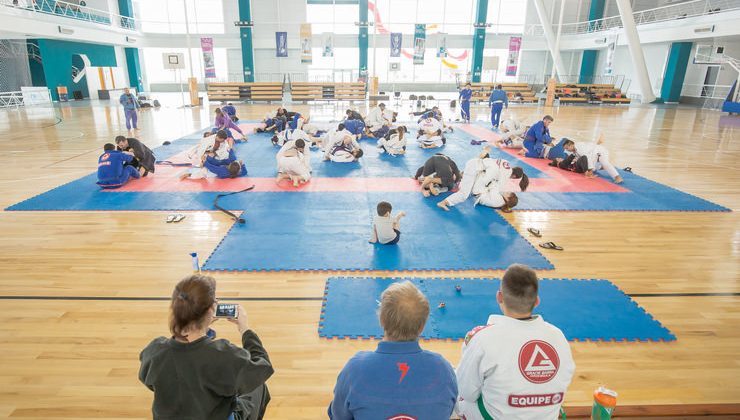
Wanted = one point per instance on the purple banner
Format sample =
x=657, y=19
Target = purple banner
x=515, y=44
x=281, y=44
x=209, y=67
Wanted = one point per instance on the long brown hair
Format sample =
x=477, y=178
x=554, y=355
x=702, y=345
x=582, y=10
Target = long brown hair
x=192, y=298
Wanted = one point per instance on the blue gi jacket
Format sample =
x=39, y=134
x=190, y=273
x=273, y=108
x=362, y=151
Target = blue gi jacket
x=465, y=95
x=110, y=168
x=498, y=95
x=220, y=167
x=354, y=126
x=129, y=102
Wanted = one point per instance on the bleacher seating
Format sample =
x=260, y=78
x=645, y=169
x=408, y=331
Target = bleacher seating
x=589, y=93
x=481, y=91
x=311, y=91
x=242, y=91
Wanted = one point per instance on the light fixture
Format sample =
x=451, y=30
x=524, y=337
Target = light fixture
x=704, y=29
x=66, y=31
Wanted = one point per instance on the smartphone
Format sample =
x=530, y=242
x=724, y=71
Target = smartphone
x=227, y=310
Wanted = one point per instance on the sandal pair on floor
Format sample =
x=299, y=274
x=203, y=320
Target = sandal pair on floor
x=175, y=218
x=545, y=245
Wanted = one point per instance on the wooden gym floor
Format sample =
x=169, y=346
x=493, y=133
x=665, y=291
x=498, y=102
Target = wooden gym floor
x=83, y=292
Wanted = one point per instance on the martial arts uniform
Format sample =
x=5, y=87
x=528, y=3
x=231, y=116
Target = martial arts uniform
x=354, y=115
x=393, y=144
x=496, y=101
x=113, y=171
x=208, y=144
x=223, y=122
x=598, y=157
x=335, y=143
x=430, y=133
x=478, y=176
x=271, y=125
x=465, y=96
x=230, y=110
x=355, y=127
x=289, y=134
x=375, y=119
x=142, y=153
x=296, y=123
x=519, y=369
x=398, y=380
x=299, y=165
x=442, y=167
x=511, y=133
x=536, y=139
x=130, y=105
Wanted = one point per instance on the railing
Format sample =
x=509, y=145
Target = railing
x=706, y=91
x=658, y=14
x=11, y=99
x=72, y=10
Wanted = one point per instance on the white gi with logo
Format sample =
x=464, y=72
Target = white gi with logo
x=522, y=369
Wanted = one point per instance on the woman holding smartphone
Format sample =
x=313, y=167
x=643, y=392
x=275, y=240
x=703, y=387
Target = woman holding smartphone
x=195, y=376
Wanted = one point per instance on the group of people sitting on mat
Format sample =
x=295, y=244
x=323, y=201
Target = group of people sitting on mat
x=517, y=366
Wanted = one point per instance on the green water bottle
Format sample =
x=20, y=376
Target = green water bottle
x=605, y=400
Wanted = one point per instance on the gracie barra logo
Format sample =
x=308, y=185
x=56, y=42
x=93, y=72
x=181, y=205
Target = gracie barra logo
x=538, y=361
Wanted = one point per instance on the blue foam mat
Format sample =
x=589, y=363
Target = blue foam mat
x=330, y=232
x=594, y=310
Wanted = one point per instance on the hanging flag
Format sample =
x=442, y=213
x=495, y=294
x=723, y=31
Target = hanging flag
x=608, y=68
x=396, y=42
x=515, y=44
x=328, y=41
x=209, y=67
x=420, y=40
x=281, y=44
x=306, y=52
x=442, y=45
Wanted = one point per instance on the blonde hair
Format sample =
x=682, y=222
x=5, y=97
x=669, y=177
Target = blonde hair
x=403, y=312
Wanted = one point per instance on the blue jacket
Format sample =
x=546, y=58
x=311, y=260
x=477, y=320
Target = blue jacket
x=229, y=110
x=465, y=95
x=538, y=134
x=397, y=378
x=354, y=126
x=220, y=167
x=129, y=102
x=498, y=95
x=110, y=167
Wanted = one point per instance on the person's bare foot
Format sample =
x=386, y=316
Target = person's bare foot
x=589, y=174
x=443, y=205
x=522, y=152
x=618, y=180
x=600, y=139
x=425, y=192
x=296, y=181
x=433, y=191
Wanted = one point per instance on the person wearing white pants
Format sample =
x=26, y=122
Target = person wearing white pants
x=294, y=162
x=512, y=132
x=597, y=157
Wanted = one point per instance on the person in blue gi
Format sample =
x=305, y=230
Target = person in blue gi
x=218, y=168
x=130, y=106
x=537, y=139
x=465, y=95
x=497, y=101
x=113, y=168
x=355, y=127
x=399, y=379
x=230, y=110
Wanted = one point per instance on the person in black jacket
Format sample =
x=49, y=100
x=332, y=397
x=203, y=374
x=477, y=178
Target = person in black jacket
x=196, y=376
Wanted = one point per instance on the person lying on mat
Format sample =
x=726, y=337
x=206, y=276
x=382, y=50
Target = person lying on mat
x=224, y=123
x=284, y=136
x=537, y=140
x=143, y=156
x=230, y=110
x=342, y=147
x=268, y=125
x=517, y=366
x=439, y=174
x=114, y=170
x=196, y=376
x=430, y=133
x=597, y=157
x=486, y=176
x=294, y=162
x=512, y=132
x=336, y=135
x=394, y=143
x=217, y=168
x=217, y=144
x=399, y=380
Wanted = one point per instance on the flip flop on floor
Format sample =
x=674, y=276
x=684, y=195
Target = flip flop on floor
x=170, y=218
x=551, y=245
x=535, y=232
x=628, y=169
x=178, y=218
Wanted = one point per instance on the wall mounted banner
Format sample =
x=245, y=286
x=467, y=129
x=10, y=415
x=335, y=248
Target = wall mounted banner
x=396, y=42
x=515, y=44
x=306, y=52
x=328, y=42
x=441, y=45
x=608, y=68
x=420, y=41
x=281, y=44
x=209, y=67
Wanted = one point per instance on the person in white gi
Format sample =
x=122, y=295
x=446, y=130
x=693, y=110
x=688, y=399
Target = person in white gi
x=430, y=133
x=512, y=134
x=376, y=119
x=395, y=144
x=489, y=181
x=517, y=367
x=287, y=135
x=218, y=141
x=339, y=141
x=597, y=156
x=294, y=162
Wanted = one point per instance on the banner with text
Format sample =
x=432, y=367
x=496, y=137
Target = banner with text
x=396, y=42
x=441, y=45
x=209, y=67
x=306, y=51
x=281, y=44
x=328, y=41
x=515, y=44
x=420, y=42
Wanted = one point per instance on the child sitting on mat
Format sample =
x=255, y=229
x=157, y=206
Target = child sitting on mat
x=113, y=168
x=386, y=229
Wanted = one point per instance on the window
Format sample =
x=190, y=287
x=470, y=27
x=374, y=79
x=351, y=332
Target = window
x=506, y=16
x=168, y=16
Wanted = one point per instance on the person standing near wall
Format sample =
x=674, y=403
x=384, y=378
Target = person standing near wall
x=130, y=106
x=497, y=101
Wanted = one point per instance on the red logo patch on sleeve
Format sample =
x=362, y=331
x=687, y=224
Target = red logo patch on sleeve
x=469, y=336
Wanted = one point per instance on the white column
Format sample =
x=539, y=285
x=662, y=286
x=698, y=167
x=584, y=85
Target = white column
x=638, y=58
x=557, y=39
x=549, y=37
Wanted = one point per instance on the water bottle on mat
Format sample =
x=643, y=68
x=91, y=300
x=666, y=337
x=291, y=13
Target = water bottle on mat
x=605, y=400
x=196, y=264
